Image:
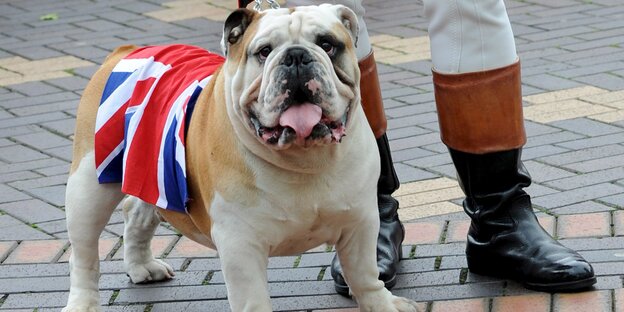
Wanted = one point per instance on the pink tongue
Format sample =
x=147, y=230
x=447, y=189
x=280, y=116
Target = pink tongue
x=302, y=118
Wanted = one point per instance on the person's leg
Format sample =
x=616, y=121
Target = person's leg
x=478, y=95
x=391, y=231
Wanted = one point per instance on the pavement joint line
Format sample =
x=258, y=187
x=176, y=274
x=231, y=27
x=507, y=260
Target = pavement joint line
x=170, y=246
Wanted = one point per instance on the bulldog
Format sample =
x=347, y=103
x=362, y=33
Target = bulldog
x=278, y=159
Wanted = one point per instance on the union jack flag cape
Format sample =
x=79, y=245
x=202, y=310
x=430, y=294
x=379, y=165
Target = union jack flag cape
x=142, y=119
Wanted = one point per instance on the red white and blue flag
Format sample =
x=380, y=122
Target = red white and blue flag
x=142, y=119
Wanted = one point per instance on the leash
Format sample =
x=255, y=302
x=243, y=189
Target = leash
x=258, y=6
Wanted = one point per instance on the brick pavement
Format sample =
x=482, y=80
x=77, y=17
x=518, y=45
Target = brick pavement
x=573, y=83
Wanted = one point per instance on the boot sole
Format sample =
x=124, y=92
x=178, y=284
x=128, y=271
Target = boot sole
x=485, y=268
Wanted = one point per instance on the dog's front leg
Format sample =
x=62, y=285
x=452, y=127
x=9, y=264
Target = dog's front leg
x=243, y=263
x=358, y=256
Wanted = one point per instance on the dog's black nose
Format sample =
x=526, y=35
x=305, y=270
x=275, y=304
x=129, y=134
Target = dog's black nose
x=297, y=56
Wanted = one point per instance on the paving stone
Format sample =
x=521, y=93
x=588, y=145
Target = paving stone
x=39, y=182
x=582, y=180
x=18, y=153
x=584, y=225
x=32, y=119
x=8, y=194
x=51, y=194
x=210, y=264
x=423, y=233
x=36, y=251
x=415, y=265
x=577, y=195
x=526, y=303
x=451, y=249
x=587, y=301
x=583, y=207
x=316, y=259
x=188, y=248
x=6, y=248
x=42, y=140
x=451, y=292
x=466, y=305
x=311, y=302
x=453, y=262
x=35, y=284
x=105, y=247
x=618, y=298
x=542, y=173
x=36, y=300
x=163, y=293
x=34, y=88
x=409, y=174
x=431, y=278
x=64, y=127
x=549, y=82
x=160, y=244
x=280, y=275
x=37, y=100
x=410, y=154
x=541, y=151
x=53, y=170
x=32, y=211
x=53, y=227
x=553, y=138
x=212, y=305
x=592, y=142
x=122, y=281
x=608, y=282
x=597, y=164
x=457, y=231
x=73, y=83
x=62, y=152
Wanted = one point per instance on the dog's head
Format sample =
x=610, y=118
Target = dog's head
x=292, y=73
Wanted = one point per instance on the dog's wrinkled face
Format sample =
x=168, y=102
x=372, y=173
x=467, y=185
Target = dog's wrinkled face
x=293, y=74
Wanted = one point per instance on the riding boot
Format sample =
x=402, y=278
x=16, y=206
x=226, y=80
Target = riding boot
x=480, y=116
x=391, y=231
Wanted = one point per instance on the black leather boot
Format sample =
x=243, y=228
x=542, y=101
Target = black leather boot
x=391, y=231
x=505, y=239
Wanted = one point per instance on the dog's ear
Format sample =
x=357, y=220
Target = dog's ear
x=234, y=27
x=349, y=20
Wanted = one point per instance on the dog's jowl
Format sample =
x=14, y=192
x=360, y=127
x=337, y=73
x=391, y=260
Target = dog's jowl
x=262, y=152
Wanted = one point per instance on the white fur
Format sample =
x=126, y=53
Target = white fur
x=88, y=206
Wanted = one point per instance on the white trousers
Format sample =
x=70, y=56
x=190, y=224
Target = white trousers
x=465, y=35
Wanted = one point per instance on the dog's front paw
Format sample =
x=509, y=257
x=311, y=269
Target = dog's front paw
x=155, y=270
x=384, y=301
x=81, y=308
x=405, y=305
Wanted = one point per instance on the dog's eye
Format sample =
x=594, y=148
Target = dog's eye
x=264, y=53
x=327, y=47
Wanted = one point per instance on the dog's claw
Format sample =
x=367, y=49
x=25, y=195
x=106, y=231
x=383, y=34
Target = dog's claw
x=406, y=305
x=153, y=271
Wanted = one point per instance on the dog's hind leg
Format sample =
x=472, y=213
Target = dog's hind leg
x=88, y=207
x=141, y=221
